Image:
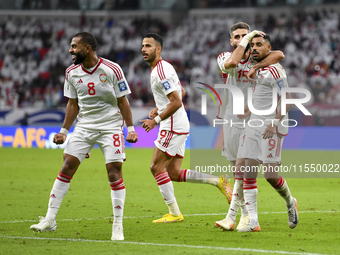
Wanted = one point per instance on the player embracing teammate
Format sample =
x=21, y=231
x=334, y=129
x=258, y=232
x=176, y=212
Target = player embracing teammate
x=240, y=147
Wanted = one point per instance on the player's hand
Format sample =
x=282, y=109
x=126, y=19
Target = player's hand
x=261, y=33
x=148, y=124
x=246, y=113
x=251, y=75
x=132, y=137
x=269, y=132
x=153, y=113
x=59, y=138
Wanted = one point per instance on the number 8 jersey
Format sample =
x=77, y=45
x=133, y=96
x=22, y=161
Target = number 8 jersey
x=97, y=90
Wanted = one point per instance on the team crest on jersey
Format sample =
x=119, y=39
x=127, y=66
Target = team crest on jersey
x=250, y=64
x=102, y=77
x=166, y=85
x=122, y=86
x=260, y=79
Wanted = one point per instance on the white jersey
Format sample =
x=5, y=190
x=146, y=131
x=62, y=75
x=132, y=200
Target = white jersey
x=266, y=79
x=235, y=77
x=97, y=91
x=164, y=80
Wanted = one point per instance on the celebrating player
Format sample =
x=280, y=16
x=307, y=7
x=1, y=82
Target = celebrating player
x=234, y=67
x=263, y=143
x=173, y=132
x=97, y=90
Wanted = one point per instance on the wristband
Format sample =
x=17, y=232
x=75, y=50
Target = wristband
x=275, y=122
x=63, y=131
x=245, y=40
x=157, y=119
x=130, y=129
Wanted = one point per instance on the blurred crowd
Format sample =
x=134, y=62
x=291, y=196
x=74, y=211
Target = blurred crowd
x=34, y=53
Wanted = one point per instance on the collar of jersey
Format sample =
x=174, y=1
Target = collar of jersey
x=156, y=64
x=87, y=71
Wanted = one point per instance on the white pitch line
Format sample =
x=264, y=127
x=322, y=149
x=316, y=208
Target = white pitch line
x=155, y=216
x=162, y=244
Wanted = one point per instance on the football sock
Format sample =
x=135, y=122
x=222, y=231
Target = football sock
x=118, y=193
x=250, y=197
x=59, y=190
x=282, y=188
x=167, y=190
x=193, y=176
x=237, y=199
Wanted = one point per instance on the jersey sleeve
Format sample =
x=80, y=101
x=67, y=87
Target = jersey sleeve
x=69, y=90
x=166, y=78
x=221, y=59
x=279, y=78
x=120, y=85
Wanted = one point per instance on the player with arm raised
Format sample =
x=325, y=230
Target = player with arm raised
x=97, y=90
x=263, y=143
x=173, y=131
x=234, y=67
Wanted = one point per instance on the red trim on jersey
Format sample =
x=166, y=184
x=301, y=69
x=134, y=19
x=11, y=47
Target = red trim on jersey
x=69, y=69
x=179, y=156
x=115, y=69
x=274, y=72
x=160, y=71
x=95, y=69
x=245, y=61
x=156, y=64
x=172, y=123
x=168, y=139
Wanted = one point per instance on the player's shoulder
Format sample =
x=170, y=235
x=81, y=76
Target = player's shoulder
x=112, y=67
x=224, y=55
x=70, y=69
x=163, y=69
x=276, y=71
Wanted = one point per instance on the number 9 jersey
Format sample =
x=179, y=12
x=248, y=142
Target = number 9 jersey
x=97, y=90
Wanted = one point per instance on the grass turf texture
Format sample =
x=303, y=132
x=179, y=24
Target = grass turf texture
x=84, y=219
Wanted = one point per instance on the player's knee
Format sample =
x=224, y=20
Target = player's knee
x=155, y=169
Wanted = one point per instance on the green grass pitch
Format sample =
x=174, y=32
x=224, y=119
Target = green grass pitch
x=84, y=219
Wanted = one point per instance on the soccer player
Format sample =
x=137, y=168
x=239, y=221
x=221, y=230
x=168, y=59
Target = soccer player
x=173, y=131
x=234, y=67
x=263, y=140
x=97, y=89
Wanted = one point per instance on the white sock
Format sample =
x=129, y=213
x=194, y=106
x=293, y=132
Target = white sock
x=118, y=193
x=167, y=190
x=236, y=199
x=250, y=197
x=58, y=192
x=282, y=188
x=188, y=175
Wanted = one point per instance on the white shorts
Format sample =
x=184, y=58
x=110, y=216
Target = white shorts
x=232, y=138
x=171, y=143
x=111, y=144
x=262, y=150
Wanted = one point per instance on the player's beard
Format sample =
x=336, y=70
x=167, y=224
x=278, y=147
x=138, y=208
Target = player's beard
x=80, y=56
x=151, y=57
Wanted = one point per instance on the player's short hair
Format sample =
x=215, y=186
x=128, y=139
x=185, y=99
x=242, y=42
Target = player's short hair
x=239, y=25
x=266, y=38
x=155, y=36
x=88, y=39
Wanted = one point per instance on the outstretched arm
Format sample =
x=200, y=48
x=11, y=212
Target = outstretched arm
x=72, y=110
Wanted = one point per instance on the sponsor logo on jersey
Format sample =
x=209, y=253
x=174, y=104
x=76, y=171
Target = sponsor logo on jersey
x=102, y=77
x=280, y=84
x=166, y=85
x=250, y=64
x=270, y=156
x=80, y=81
x=122, y=86
x=260, y=79
x=117, y=151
